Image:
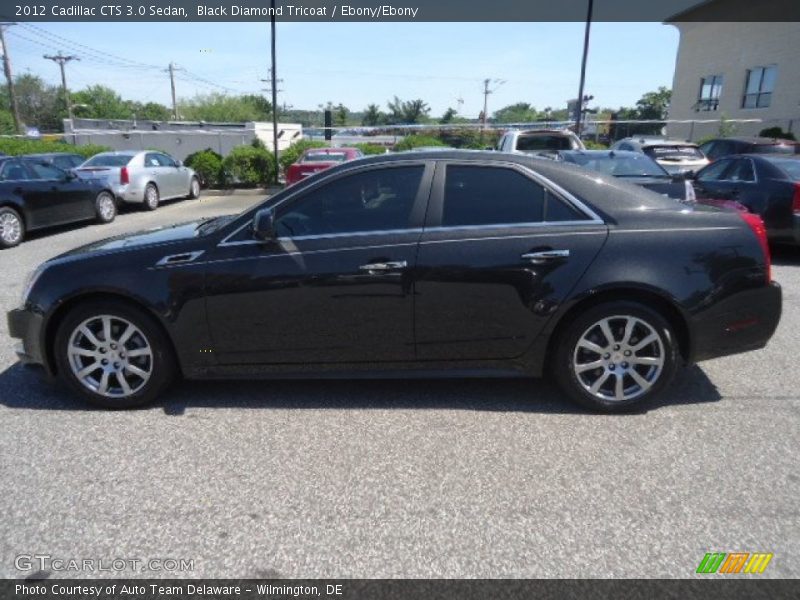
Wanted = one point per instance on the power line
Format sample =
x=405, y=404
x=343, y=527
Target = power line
x=62, y=60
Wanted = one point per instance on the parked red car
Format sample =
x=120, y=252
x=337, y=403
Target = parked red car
x=315, y=160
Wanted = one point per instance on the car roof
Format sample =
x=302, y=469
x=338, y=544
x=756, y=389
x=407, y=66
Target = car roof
x=542, y=132
x=125, y=152
x=607, y=153
x=50, y=154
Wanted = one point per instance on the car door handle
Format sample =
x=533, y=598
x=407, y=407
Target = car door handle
x=384, y=266
x=545, y=255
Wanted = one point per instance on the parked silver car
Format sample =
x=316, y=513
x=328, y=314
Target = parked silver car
x=142, y=177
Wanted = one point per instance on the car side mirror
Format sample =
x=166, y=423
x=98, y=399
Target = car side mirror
x=264, y=225
x=70, y=175
x=178, y=163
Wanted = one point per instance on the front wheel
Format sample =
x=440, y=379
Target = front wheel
x=12, y=228
x=194, y=188
x=105, y=207
x=114, y=355
x=616, y=357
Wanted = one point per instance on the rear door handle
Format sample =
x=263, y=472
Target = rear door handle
x=545, y=256
x=384, y=266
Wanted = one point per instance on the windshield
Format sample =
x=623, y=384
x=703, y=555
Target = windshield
x=790, y=166
x=325, y=157
x=620, y=166
x=673, y=152
x=214, y=223
x=108, y=160
x=533, y=143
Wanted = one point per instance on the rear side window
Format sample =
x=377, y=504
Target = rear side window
x=476, y=195
x=714, y=171
x=12, y=170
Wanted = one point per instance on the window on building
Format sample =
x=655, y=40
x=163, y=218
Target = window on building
x=759, y=88
x=710, y=91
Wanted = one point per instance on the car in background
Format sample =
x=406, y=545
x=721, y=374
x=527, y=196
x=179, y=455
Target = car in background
x=315, y=160
x=65, y=161
x=142, y=177
x=634, y=167
x=35, y=195
x=412, y=264
x=766, y=184
x=676, y=157
x=544, y=142
x=717, y=148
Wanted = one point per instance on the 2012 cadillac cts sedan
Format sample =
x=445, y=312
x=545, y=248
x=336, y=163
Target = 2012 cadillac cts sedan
x=414, y=264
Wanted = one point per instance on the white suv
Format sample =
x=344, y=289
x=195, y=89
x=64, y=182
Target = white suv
x=543, y=142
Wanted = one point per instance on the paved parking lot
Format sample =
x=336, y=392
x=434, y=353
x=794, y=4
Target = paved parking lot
x=401, y=479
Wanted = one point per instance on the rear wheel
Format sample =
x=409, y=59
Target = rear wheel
x=151, y=197
x=12, y=228
x=115, y=356
x=105, y=207
x=194, y=188
x=616, y=357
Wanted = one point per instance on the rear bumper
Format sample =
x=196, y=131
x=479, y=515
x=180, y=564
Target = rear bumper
x=744, y=321
x=26, y=326
x=796, y=228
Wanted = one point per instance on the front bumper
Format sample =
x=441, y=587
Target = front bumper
x=26, y=326
x=742, y=322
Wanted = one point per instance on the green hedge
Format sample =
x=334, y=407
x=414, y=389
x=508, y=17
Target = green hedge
x=293, y=152
x=17, y=146
x=417, y=141
x=369, y=149
x=249, y=166
x=208, y=165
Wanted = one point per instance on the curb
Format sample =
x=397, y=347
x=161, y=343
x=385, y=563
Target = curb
x=243, y=192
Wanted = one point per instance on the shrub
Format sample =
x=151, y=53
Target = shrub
x=592, y=145
x=293, y=152
x=369, y=149
x=417, y=141
x=208, y=165
x=17, y=146
x=249, y=166
x=777, y=132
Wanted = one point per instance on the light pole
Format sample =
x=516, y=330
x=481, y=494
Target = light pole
x=274, y=72
x=579, y=116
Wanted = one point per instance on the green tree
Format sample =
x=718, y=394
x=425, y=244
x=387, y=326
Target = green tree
x=217, y=108
x=340, y=112
x=407, y=112
x=151, y=111
x=521, y=112
x=372, y=116
x=101, y=102
x=654, y=105
x=448, y=116
x=40, y=105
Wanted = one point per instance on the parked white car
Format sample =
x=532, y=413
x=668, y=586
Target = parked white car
x=142, y=177
x=675, y=156
x=545, y=142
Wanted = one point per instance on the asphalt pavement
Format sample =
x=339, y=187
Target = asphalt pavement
x=420, y=479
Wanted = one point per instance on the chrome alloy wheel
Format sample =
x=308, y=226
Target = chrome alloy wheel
x=105, y=206
x=151, y=196
x=110, y=356
x=618, y=358
x=10, y=228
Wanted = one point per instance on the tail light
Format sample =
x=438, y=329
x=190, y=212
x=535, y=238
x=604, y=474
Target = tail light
x=758, y=227
x=123, y=175
x=796, y=200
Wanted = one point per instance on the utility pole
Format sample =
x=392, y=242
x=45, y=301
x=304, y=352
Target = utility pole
x=579, y=116
x=171, y=70
x=486, y=92
x=63, y=60
x=12, y=98
x=274, y=85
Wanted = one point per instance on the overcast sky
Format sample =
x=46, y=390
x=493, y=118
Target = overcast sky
x=359, y=63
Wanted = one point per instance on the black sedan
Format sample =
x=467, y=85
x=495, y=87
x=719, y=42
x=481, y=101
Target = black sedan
x=412, y=265
x=766, y=184
x=35, y=195
x=635, y=167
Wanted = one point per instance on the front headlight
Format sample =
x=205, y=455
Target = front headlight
x=30, y=281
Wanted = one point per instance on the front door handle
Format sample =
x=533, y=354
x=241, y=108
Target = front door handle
x=384, y=266
x=545, y=256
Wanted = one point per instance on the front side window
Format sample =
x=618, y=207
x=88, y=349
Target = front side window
x=375, y=200
x=13, y=170
x=166, y=161
x=476, y=195
x=710, y=91
x=759, y=88
x=151, y=160
x=43, y=171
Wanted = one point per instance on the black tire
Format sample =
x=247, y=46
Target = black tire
x=194, y=188
x=151, y=196
x=105, y=207
x=160, y=363
x=12, y=227
x=621, y=361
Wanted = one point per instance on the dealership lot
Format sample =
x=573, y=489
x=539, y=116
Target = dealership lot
x=393, y=479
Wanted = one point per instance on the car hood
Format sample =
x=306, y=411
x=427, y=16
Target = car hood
x=151, y=237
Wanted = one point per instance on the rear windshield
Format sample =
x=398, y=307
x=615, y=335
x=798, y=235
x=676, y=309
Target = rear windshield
x=673, y=152
x=325, y=157
x=777, y=148
x=108, y=160
x=792, y=167
x=533, y=143
x=627, y=166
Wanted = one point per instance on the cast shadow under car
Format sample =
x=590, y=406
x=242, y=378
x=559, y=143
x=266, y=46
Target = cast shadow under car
x=23, y=387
